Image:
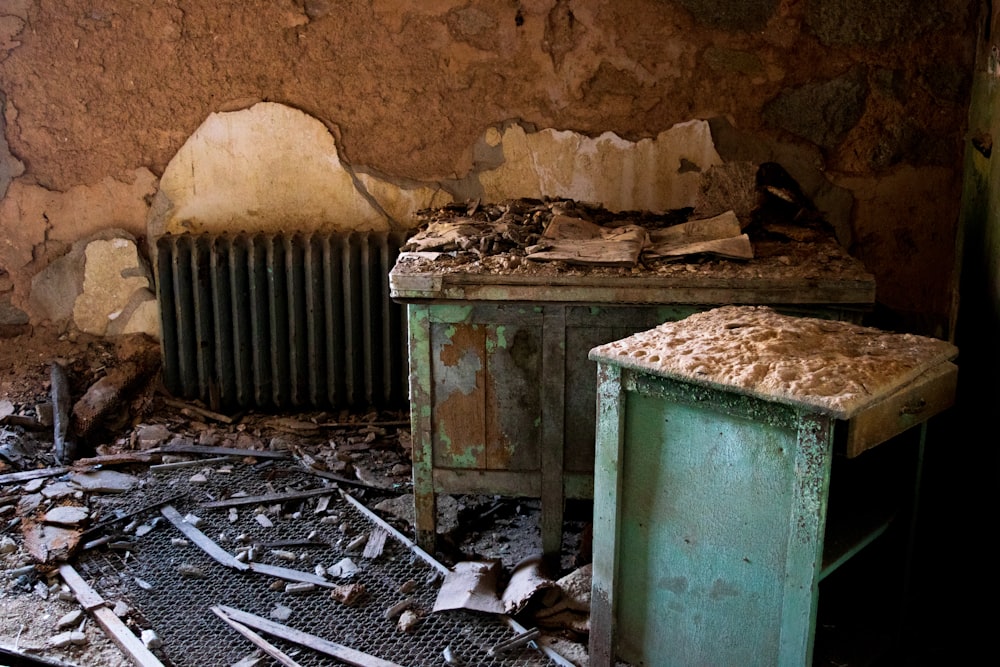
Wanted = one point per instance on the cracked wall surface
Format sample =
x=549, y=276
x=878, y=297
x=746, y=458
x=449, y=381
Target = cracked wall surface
x=98, y=99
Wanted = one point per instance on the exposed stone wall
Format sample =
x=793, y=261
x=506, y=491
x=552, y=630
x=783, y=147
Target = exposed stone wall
x=864, y=101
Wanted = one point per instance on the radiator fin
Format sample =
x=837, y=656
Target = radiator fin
x=277, y=321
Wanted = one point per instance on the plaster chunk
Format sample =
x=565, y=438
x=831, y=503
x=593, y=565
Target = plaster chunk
x=69, y=619
x=620, y=175
x=64, y=639
x=835, y=367
x=112, y=273
x=148, y=436
x=104, y=481
x=67, y=515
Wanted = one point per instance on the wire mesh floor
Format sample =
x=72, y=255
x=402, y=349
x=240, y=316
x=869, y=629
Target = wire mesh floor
x=171, y=585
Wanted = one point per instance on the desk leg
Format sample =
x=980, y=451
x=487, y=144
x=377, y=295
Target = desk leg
x=553, y=431
x=425, y=506
x=807, y=525
x=608, y=482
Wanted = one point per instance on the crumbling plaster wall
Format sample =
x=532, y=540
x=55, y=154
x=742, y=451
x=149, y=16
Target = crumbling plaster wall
x=864, y=101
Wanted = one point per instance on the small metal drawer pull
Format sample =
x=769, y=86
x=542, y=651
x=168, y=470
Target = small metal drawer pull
x=914, y=407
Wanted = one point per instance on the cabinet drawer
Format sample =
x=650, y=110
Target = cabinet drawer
x=930, y=393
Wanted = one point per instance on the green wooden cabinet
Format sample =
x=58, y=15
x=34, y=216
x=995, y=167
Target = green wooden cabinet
x=712, y=483
x=502, y=395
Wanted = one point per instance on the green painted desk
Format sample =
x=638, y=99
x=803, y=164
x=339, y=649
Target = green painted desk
x=715, y=439
x=502, y=396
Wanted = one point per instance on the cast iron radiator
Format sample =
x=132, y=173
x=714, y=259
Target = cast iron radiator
x=277, y=321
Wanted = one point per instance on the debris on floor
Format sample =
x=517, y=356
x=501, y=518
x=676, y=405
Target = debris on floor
x=193, y=539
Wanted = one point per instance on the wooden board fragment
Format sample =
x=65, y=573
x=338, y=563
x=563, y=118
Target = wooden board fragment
x=340, y=652
x=268, y=499
x=289, y=574
x=257, y=640
x=222, y=451
x=202, y=412
x=119, y=633
x=375, y=543
x=28, y=475
x=203, y=541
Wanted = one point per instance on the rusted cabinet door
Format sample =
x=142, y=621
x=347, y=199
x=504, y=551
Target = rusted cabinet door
x=486, y=409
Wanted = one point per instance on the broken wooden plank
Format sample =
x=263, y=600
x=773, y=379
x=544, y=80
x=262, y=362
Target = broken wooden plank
x=200, y=411
x=170, y=467
x=375, y=543
x=300, y=544
x=407, y=542
x=515, y=642
x=123, y=458
x=289, y=574
x=85, y=595
x=339, y=651
x=257, y=640
x=111, y=459
x=361, y=425
x=131, y=645
x=113, y=626
x=550, y=652
x=204, y=450
x=202, y=540
x=28, y=475
x=346, y=481
x=269, y=499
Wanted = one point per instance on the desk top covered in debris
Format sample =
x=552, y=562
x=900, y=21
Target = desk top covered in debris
x=509, y=253
x=836, y=368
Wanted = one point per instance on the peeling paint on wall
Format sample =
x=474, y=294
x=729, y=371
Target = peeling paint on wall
x=269, y=167
x=651, y=174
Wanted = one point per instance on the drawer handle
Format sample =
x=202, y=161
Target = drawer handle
x=913, y=407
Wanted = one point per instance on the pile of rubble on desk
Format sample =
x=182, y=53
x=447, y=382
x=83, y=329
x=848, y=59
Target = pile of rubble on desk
x=197, y=538
x=574, y=233
x=764, y=227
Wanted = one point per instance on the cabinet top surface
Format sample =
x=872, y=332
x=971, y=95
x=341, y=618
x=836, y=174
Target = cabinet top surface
x=780, y=272
x=836, y=368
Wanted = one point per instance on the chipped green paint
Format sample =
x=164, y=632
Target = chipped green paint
x=419, y=343
x=714, y=505
x=449, y=313
x=498, y=340
x=468, y=457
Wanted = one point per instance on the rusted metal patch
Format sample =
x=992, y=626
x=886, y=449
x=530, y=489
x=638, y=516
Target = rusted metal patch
x=458, y=363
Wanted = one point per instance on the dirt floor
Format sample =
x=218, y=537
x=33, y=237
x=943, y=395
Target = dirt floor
x=371, y=450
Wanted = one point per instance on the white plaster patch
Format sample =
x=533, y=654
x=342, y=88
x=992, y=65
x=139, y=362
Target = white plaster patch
x=112, y=273
x=266, y=167
x=271, y=168
x=651, y=174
